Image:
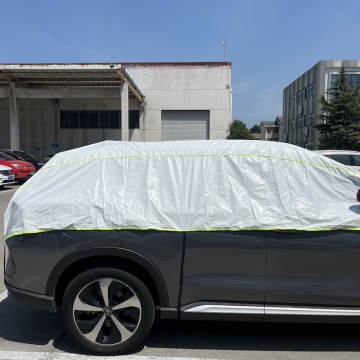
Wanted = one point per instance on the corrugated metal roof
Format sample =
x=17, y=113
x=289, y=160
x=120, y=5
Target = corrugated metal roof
x=104, y=75
x=67, y=75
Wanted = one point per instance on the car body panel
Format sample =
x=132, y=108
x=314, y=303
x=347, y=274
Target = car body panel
x=33, y=257
x=72, y=241
x=23, y=170
x=224, y=267
x=313, y=268
x=164, y=250
x=6, y=176
x=345, y=157
x=260, y=276
x=24, y=156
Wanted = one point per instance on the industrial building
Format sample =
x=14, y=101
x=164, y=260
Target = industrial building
x=301, y=108
x=47, y=108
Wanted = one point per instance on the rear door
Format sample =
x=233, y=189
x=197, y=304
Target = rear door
x=313, y=269
x=224, y=275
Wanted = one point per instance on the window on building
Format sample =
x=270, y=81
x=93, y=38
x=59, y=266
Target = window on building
x=89, y=119
x=352, y=80
x=272, y=130
x=97, y=119
x=300, y=96
x=74, y=119
x=309, y=91
x=300, y=122
x=292, y=101
x=309, y=119
x=134, y=119
x=334, y=79
x=291, y=125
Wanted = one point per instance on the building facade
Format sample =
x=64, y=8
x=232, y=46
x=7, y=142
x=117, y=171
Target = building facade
x=270, y=130
x=46, y=108
x=301, y=108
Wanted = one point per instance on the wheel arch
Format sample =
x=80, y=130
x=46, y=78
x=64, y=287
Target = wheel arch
x=75, y=263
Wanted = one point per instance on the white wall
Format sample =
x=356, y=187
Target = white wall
x=175, y=87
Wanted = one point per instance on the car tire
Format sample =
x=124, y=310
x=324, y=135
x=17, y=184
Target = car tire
x=111, y=326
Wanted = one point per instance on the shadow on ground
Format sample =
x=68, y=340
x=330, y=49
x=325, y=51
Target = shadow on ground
x=23, y=324
x=255, y=336
x=26, y=325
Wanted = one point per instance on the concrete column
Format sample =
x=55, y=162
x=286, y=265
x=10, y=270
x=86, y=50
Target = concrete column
x=14, y=118
x=125, y=112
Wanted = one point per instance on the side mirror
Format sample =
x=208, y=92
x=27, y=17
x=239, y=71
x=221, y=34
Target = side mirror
x=358, y=195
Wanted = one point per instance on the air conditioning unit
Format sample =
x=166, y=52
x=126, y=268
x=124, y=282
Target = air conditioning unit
x=306, y=130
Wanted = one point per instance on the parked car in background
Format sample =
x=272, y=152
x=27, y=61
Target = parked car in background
x=48, y=157
x=345, y=157
x=22, y=155
x=23, y=170
x=6, y=176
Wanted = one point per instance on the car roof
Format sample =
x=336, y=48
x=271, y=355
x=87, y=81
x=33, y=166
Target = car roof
x=12, y=150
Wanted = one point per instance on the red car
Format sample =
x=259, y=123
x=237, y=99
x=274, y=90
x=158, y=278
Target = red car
x=23, y=170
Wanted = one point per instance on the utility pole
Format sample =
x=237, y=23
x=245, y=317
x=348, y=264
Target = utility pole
x=224, y=44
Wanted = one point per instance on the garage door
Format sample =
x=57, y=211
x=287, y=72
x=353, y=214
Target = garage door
x=184, y=125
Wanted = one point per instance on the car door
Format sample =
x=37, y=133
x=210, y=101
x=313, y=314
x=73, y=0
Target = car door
x=224, y=275
x=314, y=269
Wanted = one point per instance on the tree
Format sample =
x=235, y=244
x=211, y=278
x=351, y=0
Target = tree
x=341, y=116
x=255, y=129
x=238, y=130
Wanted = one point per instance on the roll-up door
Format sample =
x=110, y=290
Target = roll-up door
x=184, y=125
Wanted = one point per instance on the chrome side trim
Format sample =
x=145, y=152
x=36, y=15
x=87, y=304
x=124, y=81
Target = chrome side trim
x=275, y=310
x=226, y=309
x=272, y=310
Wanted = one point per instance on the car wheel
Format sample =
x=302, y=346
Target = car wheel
x=108, y=311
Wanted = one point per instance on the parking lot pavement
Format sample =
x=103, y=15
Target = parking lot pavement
x=30, y=334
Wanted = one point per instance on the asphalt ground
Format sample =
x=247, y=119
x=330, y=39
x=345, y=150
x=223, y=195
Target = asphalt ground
x=30, y=334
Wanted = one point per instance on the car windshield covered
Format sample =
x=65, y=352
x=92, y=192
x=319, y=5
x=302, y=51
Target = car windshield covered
x=4, y=156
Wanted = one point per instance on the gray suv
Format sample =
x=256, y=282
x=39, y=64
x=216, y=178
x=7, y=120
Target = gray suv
x=216, y=230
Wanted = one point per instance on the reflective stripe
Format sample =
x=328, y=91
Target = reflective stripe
x=272, y=310
x=269, y=310
x=226, y=309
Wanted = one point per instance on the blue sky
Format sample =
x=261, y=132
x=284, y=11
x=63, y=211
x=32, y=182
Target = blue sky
x=269, y=42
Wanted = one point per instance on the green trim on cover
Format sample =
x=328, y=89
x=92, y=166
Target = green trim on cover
x=46, y=167
x=186, y=230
